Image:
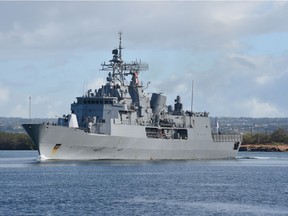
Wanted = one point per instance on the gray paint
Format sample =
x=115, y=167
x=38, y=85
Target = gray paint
x=119, y=121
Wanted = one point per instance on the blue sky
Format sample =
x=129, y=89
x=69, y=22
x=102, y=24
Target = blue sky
x=236, y=53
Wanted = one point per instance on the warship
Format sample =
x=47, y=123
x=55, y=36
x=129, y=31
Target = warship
x=121, y=121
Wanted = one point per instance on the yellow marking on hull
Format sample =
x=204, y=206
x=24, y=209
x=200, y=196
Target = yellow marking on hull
x=55, y=149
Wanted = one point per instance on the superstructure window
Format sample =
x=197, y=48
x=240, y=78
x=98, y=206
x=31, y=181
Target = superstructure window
x=166, y=133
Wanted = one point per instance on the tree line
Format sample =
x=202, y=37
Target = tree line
x=278, y=136
x=16, y=141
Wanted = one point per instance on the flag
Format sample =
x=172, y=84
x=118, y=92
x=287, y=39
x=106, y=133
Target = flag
x=217, y=127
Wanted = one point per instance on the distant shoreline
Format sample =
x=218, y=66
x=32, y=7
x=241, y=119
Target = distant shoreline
x=265, y=147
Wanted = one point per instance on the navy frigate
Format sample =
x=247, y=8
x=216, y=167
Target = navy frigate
x=121, y=121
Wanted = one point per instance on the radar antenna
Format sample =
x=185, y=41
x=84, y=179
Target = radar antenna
x=121, y=69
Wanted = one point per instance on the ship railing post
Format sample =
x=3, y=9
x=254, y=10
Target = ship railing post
x=227, y=137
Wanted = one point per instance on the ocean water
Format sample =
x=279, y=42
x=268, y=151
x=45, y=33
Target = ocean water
x=253, y=184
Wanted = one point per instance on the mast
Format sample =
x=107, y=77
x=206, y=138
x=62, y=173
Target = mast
x=120, y=46
x=119, y=69
x=192, y=98
x=30, y=108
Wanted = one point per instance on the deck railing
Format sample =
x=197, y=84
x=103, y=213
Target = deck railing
x=227, y=137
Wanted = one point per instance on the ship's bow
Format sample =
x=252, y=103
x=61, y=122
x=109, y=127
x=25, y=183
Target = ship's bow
x=34, y=132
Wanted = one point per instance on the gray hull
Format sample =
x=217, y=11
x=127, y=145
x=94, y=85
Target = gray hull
x=56, y=142
x=121, y=121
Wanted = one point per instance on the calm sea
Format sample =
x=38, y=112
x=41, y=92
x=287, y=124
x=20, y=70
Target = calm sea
x=253, y=184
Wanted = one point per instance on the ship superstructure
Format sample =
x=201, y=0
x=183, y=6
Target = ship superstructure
x=120, y=121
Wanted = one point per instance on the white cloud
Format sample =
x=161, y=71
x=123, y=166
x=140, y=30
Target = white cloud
x=39, y=100
x=19, y=111
x=77, y=25
x=55, y=109
x=4, y=94
x=262, y=80
x=257, y=108
x=208, y=42
x=96, y=83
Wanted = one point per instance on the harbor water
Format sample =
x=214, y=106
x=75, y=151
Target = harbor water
x=255, y=183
